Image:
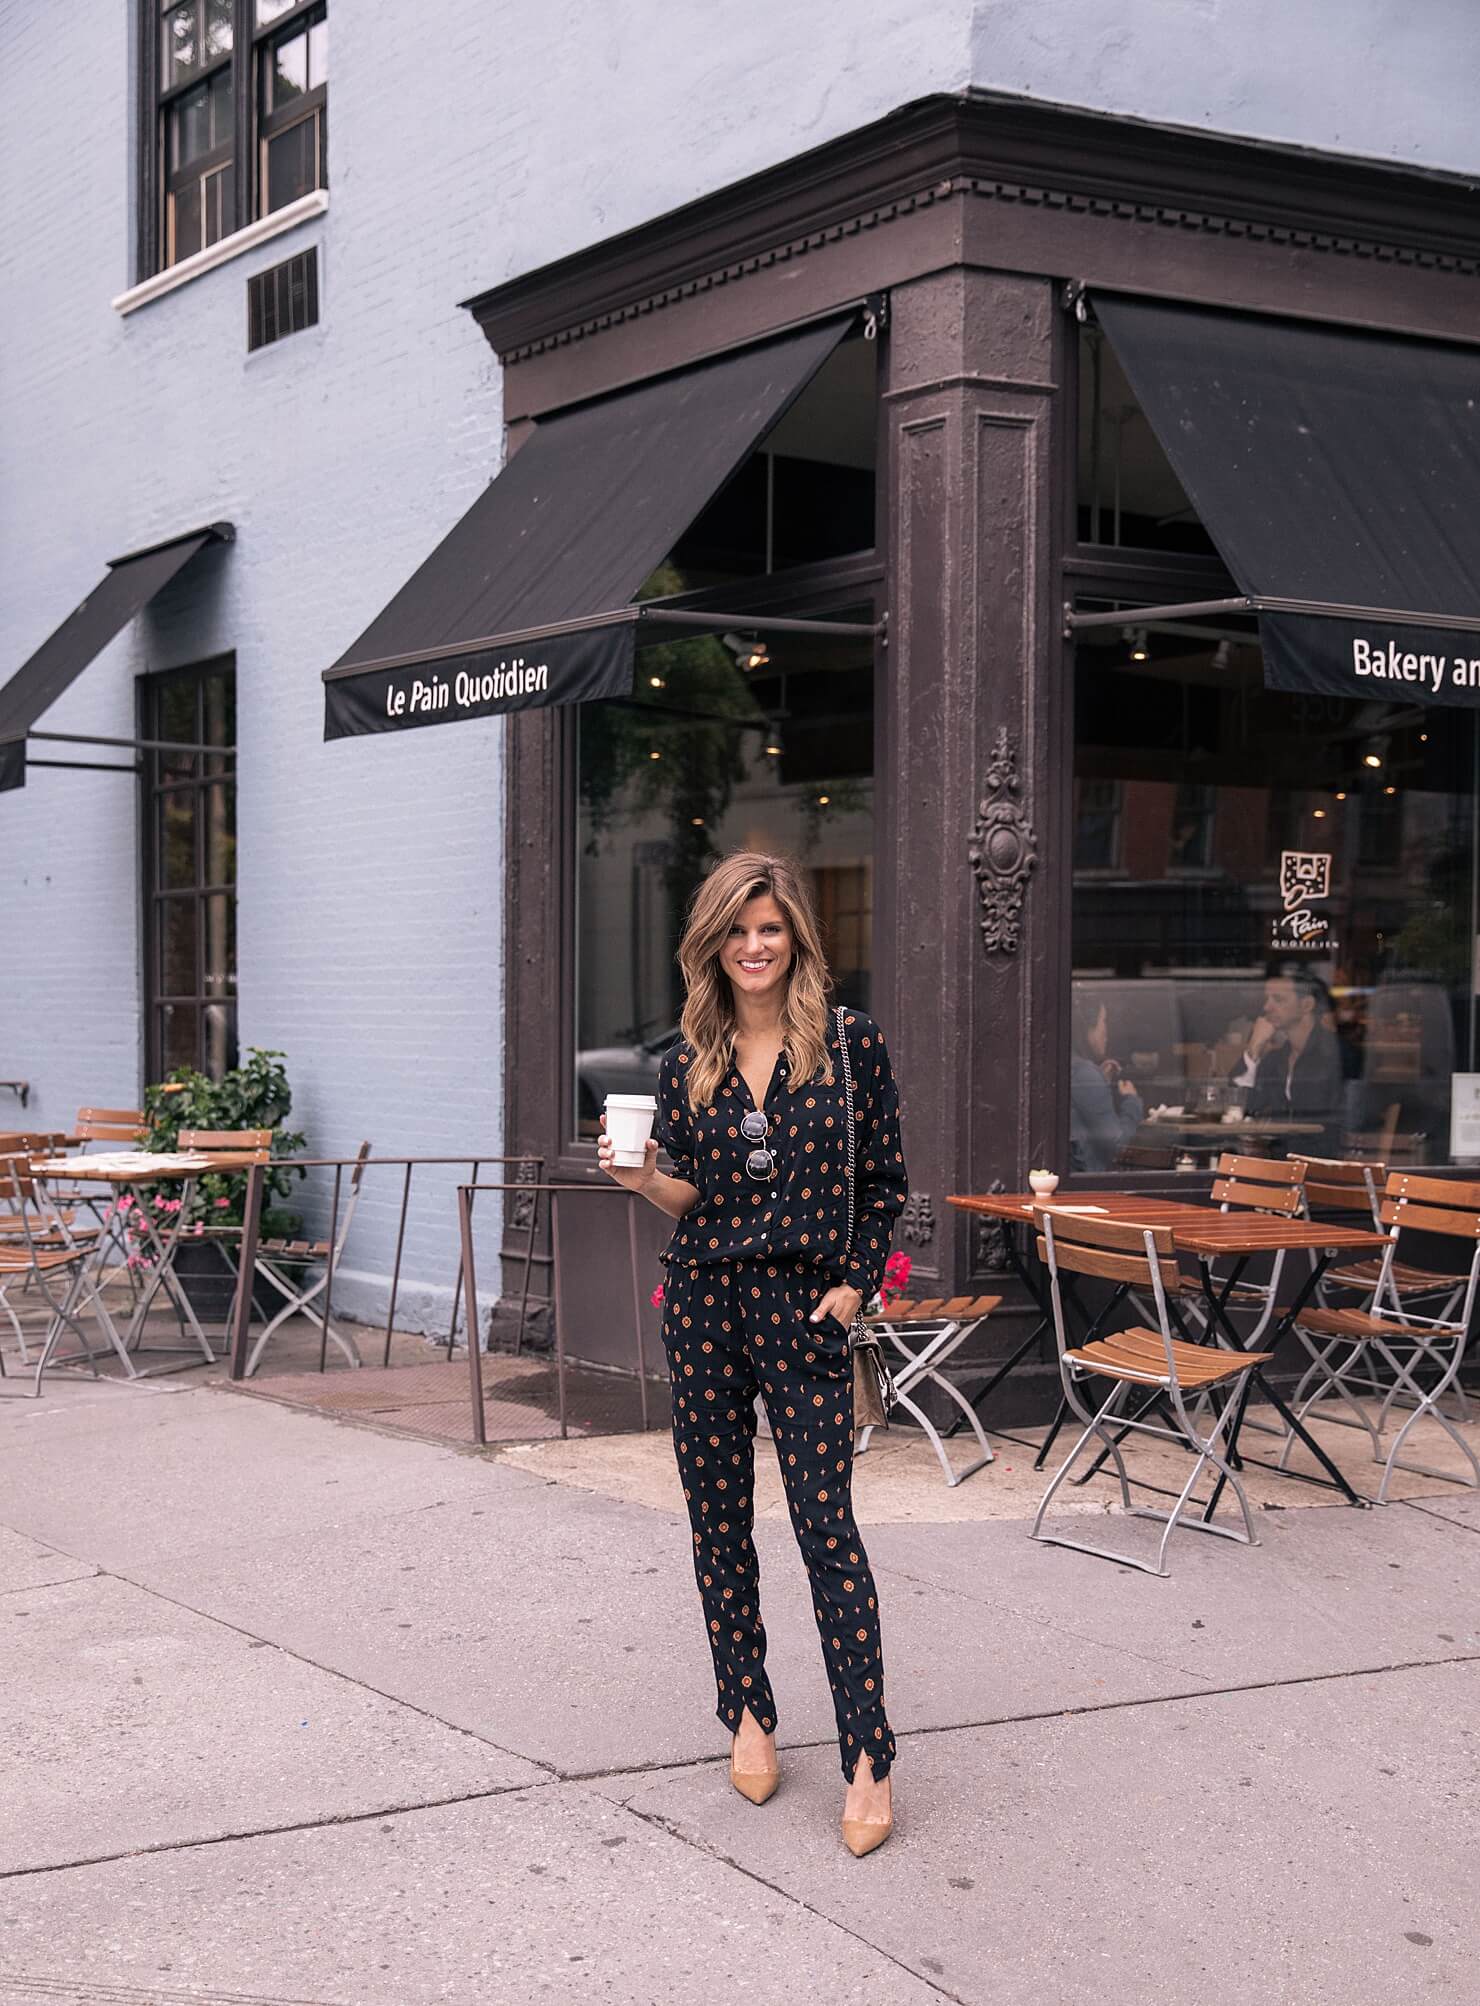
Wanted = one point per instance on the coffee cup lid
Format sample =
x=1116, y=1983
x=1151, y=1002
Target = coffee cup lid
x=631, y=1100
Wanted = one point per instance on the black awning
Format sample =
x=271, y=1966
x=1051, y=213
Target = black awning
x=1338, y=473
x=128, y=586
x=514, y=608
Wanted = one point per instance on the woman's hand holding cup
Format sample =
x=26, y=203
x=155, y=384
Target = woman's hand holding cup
x=632, y=1177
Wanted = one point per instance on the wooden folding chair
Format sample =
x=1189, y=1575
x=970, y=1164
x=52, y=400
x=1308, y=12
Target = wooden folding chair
x=1255, y=1184
x=1341, y=1342
x=924, y=1334
x=1143, y=1260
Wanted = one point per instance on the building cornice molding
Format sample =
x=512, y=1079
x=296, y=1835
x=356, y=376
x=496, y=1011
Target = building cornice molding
x=993, y=150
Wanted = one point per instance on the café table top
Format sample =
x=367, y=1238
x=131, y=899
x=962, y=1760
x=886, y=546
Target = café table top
x=1018, y=1205
x=132, y=1167
x=1197, y=1229
x=1263, y=1233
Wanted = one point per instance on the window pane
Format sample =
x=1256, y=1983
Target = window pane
x=184, y=223
x=318, y=54
x=181, y=54
x=292, y=163
x=219, y=705
x=220, y=832
x=178, y=932
x=218, y=28
x=174, y=719
x=287, y=71
x=218, y=966
x=218, y=194
x=268, y=11
x=1272, y=935
x=220, y=1038
x=650, y=827
x=179, y=1036
x=190, y=126
x=177, y=865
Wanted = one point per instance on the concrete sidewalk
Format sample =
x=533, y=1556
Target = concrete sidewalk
x=295, y=1711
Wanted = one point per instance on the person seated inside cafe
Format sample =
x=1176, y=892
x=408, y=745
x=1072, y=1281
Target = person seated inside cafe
x=1291, y=1066
x=1104, y=1108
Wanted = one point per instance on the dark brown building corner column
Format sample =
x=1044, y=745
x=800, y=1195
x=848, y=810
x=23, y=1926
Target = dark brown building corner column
x=975, y=759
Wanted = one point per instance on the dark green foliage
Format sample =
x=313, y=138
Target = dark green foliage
x=254, y=1095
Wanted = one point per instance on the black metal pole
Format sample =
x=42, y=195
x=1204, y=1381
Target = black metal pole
x=469, y=1275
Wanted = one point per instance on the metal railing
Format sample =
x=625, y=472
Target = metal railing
x=528, y=1184
x=465, y=1196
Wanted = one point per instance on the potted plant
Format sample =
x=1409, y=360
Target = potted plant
x=255, y=1094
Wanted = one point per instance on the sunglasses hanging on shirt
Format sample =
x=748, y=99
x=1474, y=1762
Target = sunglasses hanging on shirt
x=761, y=1163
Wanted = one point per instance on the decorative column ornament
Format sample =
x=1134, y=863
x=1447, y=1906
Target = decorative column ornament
x=1003, y=849
x=989, y=1253
x=917, y=1221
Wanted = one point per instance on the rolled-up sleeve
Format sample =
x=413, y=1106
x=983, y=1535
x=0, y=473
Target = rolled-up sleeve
x=881, y=1182
x=673, y=1127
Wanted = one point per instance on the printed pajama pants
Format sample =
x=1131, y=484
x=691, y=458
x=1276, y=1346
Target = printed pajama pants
x=732, y=1328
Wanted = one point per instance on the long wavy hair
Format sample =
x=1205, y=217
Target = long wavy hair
x=709, y=1007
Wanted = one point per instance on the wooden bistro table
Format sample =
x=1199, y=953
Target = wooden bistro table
x=1207, y=1234
x=128, y=1173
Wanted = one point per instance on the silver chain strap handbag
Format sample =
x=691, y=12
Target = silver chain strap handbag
x=873, y=1383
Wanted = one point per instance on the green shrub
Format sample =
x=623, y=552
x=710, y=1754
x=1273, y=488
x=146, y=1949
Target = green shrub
x=254, y=1095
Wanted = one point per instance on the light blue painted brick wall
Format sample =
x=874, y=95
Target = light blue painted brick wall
x=467, y=144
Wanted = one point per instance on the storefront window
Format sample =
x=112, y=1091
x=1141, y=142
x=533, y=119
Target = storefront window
x=1274, y=919
x=736, y=739
x=713, y=754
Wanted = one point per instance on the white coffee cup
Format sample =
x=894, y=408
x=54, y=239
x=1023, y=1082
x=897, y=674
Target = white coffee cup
x=629, y=1123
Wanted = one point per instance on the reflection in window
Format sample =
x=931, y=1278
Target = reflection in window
x=1096, y=825
x=190, y=872
x=1272, y=905
x=710, y=756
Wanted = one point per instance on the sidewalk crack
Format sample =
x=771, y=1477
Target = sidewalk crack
x=676, y=1831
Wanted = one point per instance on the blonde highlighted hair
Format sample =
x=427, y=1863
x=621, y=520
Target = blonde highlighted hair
x=709, y=1009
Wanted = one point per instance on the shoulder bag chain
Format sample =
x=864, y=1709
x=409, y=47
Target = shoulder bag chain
x=873, y=1384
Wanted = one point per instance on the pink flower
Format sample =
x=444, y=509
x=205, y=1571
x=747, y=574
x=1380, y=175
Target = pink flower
x=222, y=1203
x=656, y=1298
x=197, y=1231
x=125, y=1201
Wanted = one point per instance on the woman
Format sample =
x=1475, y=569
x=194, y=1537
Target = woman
x=761, y=1289
x=1104, y=1110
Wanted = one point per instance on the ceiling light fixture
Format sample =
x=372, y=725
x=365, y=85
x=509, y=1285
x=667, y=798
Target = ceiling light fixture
x=1136, y=637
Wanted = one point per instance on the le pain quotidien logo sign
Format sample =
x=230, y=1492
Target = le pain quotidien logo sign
x=1305, y=884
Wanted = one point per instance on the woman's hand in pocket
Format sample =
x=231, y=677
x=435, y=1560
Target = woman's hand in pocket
x=842, y=1302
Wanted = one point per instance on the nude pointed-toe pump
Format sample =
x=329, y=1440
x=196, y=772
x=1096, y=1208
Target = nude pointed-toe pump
x=756, y=1784
x=861, y=1836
